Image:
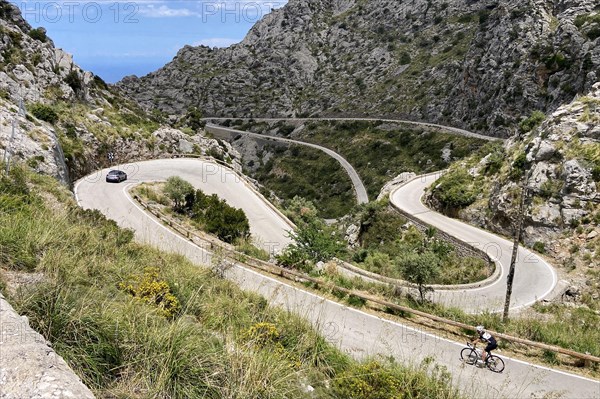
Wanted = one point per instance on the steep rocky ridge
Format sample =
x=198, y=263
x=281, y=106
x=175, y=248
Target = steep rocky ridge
x=481, y=65
x=560, y=162
x=67, y=120
x=562, y=157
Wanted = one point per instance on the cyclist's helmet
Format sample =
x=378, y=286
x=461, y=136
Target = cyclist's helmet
x=480, y=329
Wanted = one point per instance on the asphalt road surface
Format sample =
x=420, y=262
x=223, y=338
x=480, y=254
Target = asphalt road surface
x=267, y=227
x=534, y=278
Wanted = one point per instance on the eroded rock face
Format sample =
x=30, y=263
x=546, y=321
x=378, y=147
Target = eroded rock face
x=165, y=142
x=38, y=145
x=564, y=175
x=480, y=65
x=34, y=71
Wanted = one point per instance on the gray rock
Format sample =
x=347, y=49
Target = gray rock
x=298, y=60
x=546, y=151
x=573, y=291
x=352, y=235
x=94, y=118
x=547, y=215
x=570, y=215
x=579, y=179
x=30, y=368
x=185, y=146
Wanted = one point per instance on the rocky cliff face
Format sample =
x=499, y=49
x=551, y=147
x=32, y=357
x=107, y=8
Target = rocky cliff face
x=480, y=65
x=563, y=162
x=30, y=68
x=67, y=120
x=559, y=164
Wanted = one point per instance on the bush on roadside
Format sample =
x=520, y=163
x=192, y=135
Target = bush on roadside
x=313, y=242
x=179, y=191
x=456, y=189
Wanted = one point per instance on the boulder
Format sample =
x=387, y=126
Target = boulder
x=352, y=235
x=545, y=151
x=185, y=146
x=579, y=179
x=547, y=214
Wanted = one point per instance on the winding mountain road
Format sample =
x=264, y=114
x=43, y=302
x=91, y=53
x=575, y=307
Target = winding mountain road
x=534, y=278
x=447, y=129
x=359, y=188
x=354, y=331
x=267, y=226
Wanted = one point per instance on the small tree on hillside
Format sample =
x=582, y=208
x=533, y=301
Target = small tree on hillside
x=313, y=242
x=420, y=269
x=179, y=191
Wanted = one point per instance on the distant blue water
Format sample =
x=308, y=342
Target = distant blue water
x=114, y=70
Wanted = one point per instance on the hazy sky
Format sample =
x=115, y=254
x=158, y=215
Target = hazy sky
x=115, y=39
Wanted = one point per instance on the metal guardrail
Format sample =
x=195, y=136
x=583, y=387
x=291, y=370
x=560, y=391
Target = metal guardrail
x=239, y=257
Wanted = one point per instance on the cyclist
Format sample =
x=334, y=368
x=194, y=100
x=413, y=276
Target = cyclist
x=488, y=338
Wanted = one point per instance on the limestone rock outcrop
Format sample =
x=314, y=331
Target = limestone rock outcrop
x=479, y=65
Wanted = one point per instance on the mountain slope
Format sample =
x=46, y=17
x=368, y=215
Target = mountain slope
x=66, y=120
x=481, y=65
x=560, y=162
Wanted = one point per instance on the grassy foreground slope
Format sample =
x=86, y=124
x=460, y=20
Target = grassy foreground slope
x=139, y=323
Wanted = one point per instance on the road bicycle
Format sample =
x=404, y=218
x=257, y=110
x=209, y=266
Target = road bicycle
x=471, y=355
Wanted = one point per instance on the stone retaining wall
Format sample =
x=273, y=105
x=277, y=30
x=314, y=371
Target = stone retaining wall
x=464, y=249
x=29, y=367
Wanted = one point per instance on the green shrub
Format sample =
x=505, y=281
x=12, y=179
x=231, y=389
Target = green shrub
x=456, y=189
x=34, y=162
x=178, y=190
x=74, y=81
x=557, y=62
x=356, y=301
x=100, y=83
x=540, y=247
x=153, y=291
x=214, y=215
x=550, y=188
x=43, y=112
x=313, y=242
x=405, y=58
x=379, y=226
x=193, y=119
x=379, y=263
x=225, y=222
x=533, y=121
x=494, y=163
x=590, y=24
x=518, y=166
x=420, y=269
x=377, y=380
x=38, y=34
